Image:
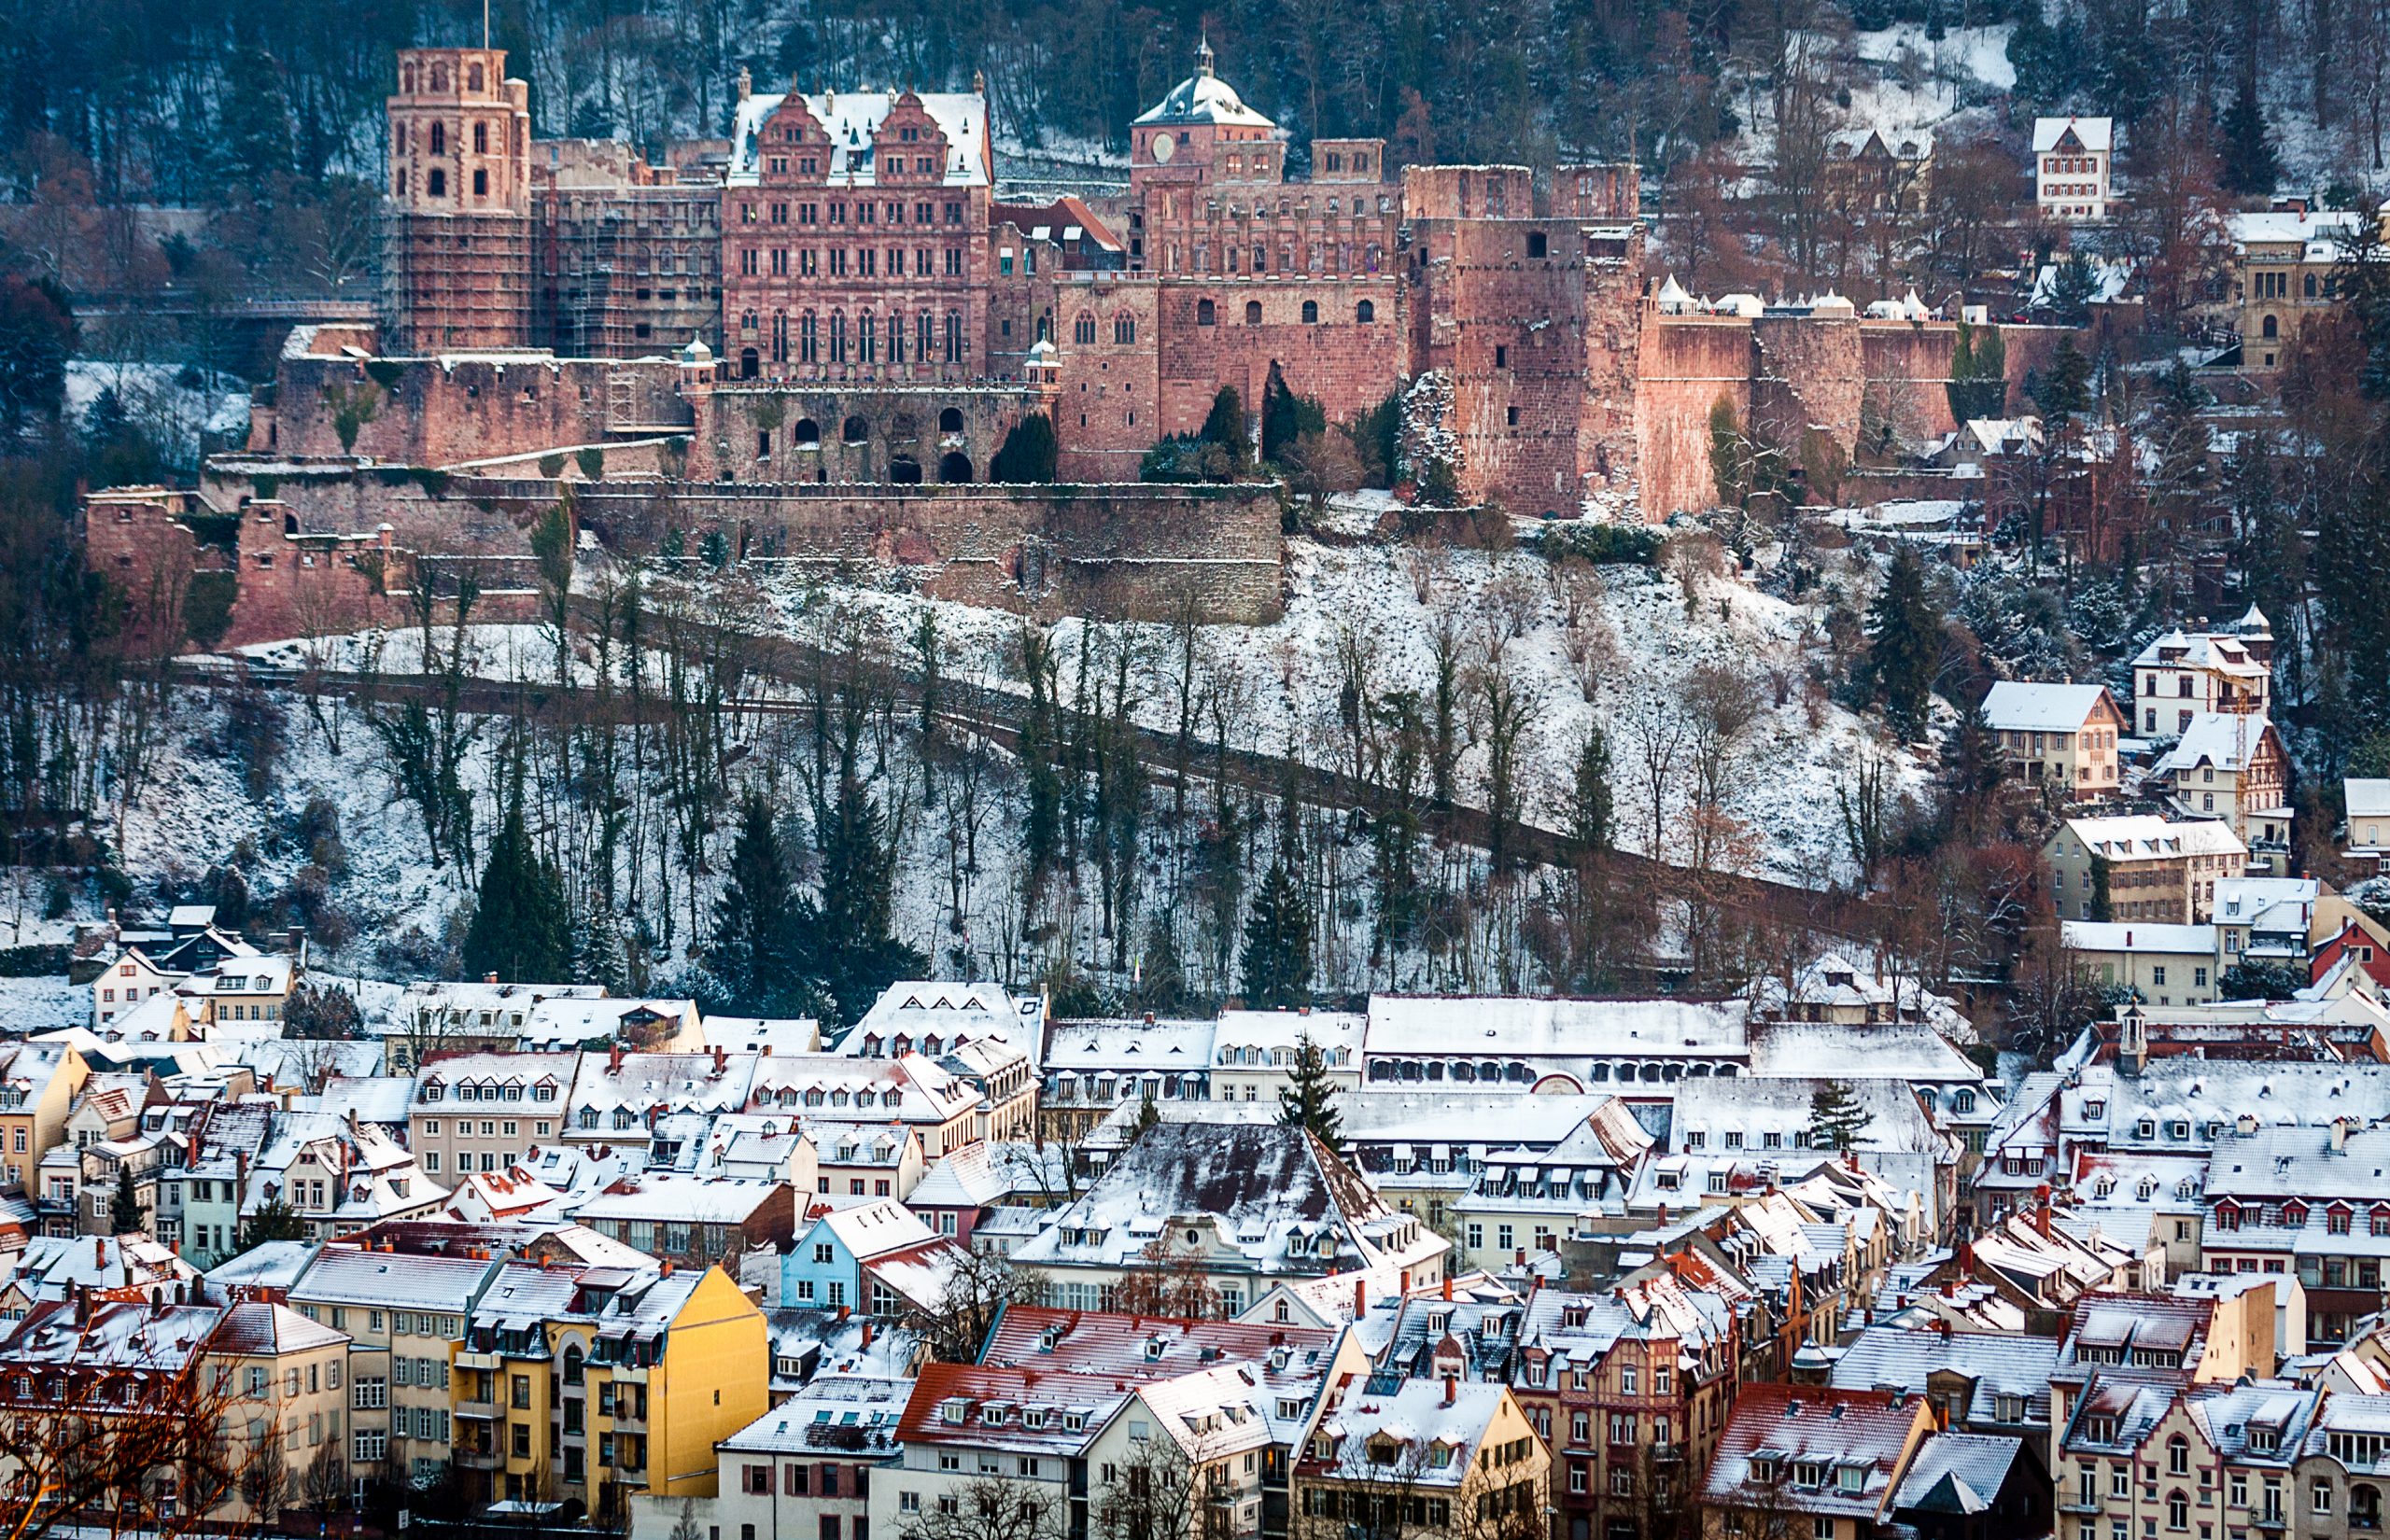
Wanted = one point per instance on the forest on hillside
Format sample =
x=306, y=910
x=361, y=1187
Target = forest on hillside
x=210, y=103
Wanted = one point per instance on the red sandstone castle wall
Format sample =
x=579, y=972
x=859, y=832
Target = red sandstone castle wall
x=1109, y=409
x=442, y=411
x=758, y=432
x=1346, y=364
x=286, y=585
x=1687, y=362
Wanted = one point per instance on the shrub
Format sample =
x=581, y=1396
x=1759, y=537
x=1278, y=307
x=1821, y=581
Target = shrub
x=593, y=463
x=207, y=609
x=1603, y=544
x=552, y=466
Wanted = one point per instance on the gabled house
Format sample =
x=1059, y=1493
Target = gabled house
x=1830, y=1461
x=2064, y=735
x=1197, y=1217
x=2231, y=765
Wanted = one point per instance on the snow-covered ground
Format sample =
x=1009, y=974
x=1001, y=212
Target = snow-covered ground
x=174, y=415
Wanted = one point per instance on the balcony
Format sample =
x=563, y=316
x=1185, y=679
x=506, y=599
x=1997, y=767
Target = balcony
x=465, y=1360
x=482, y=1410
x=1667, y=1454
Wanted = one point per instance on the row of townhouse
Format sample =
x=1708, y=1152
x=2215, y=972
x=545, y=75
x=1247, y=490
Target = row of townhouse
x=535, y=1364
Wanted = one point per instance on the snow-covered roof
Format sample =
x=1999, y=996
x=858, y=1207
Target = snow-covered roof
x=869, y=1230
x=1416, y=1417
x=679, y=1198
x=2095, y=134
x=832, y=1411
x=852, y=117
x=2225, y=739
x=1996, y=1365
x=764, y=1034
x=2367, y=797
x=2216, y=652
x=638, y=1083
x=1959, y=1474
x=269, y=1264
x=1874, y=1050
x=1134, y=1047
x=256, y=1328
x=348, y=1274
x=1471, y=1025
x=921, y=1013
x=2137, y=937
x=833, y=1086
x=1786, y=1427
x=2282, y=904
x=117, y=1334
x=2146, y=836
x=2023, y=705
x=1204, y=97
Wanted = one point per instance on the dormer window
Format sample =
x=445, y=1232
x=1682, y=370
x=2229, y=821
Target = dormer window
x=953, y=1409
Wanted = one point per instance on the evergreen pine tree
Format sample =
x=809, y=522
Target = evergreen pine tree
x=1591, y=808
x=1285, y=417
x=2071, y=290
x=1979, y=385
x=1972, y=764
x=1028, y=454
x=857, y=956
x=1225, y=424
x=1308, y=1100
x=254, y=123
x=1147, y=1114
x=1835, y=1118
x=521, y=927
x=1904, y=646
x=2251, y=167
x=1277, y=942
x=2064, y=389
x=757, y=952
x=273, y=1220
x=124, y=1207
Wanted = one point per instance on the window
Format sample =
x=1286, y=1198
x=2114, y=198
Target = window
x=1253, y=312
x=1311, y=312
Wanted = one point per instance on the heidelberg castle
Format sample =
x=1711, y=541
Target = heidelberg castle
x=856, y=242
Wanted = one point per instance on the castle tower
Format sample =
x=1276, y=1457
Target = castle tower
x=456, y=270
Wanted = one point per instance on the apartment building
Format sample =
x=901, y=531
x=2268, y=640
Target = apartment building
x=2232, y=765
x=2140, y=867
x=477, y=1113
x=2152, y=1457
x=2185, y=673
x=1829, y=1461
x=1425, y=1456
x=285, y=1402
x=2063, y=736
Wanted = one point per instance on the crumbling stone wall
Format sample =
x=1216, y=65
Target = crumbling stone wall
x=798, y=432
x=1348, y=363
x=440, y=411
x=1133, y=551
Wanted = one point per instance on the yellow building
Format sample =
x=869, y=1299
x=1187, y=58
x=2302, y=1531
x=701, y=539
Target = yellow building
x=596, y=1384
x=38, y=1086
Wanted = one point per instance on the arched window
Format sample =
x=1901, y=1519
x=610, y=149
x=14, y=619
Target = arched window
x=1253, y=312
x=954, y=336
x=572, y=1360
x=1365, y=312
x=2178, y=1456
x=1124, y=328
x=2269, y=330
x=438, y=138
x=896, y=337
x=747, y=323
x=809, y=338
x=1083, y=330
x=2310, y=285
x=904, y=470
x=949, y=421
x=435, y=184
x=954, y=467
x=807, y=431
x=1311, y=312
x=838, y=336
x=1206, y=313
x=855, y=430
x=866, y=338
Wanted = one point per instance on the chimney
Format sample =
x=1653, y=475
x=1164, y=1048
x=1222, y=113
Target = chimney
x=295, y=939
x=1406, y=1284
x=1448, y=1287
x=1361, y=1299
x=720, y=1059
x=667, y=1267
x=866, y=1334
x=1452, y=1389
x=489, y=978
x=99, y=1250
x=845, y=1311
x=1664, y=1216
x=614, y=1060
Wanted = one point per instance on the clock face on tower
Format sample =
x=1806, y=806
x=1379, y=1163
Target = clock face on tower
x=1163, y=146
